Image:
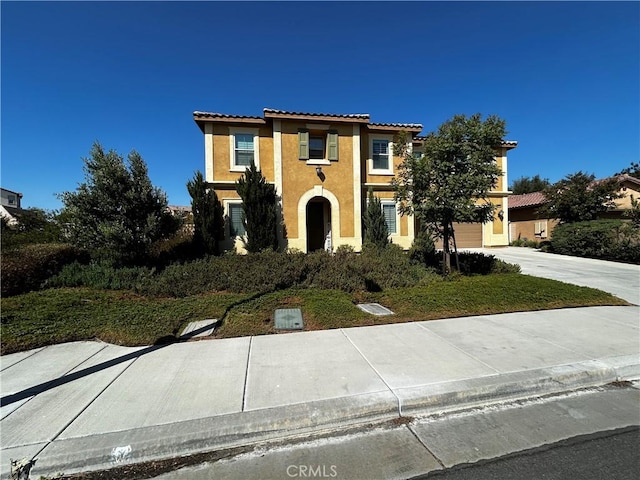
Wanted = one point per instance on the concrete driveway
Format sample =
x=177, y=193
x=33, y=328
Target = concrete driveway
x=620, y=279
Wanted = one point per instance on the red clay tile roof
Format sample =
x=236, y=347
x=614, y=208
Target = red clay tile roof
x=397, y=125
x=222, y=115
x=274, y=113
x=534, y=199
x=628, y=178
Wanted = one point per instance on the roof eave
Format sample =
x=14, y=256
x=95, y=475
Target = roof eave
x=395, y=128
x=316, y=118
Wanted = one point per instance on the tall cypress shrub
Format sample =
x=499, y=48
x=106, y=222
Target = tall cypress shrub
x=259, y=204
x=375, y=228
x=208, y=216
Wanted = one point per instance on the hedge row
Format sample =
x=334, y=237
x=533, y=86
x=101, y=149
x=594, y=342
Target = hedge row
x=603, y=239
x=27, y=268
x=372, y=270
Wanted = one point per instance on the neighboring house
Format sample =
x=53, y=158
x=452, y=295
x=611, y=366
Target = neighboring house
x=10, y=205
x=322, y=166
x=184, y=213
x=629, y=187
x=179, y=211
x=525, y=221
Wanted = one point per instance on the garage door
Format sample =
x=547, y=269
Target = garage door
x=468, y=235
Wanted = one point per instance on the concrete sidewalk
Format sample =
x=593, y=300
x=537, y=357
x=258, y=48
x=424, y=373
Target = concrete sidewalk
x=90, y=405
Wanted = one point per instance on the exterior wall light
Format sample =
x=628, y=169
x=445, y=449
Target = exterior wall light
x=319, y=171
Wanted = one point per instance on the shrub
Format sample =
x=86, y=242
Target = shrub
x=101, y=275
x=375, y=227
x=476, y=263
x=26, y=268
x=524, y=242
x=603, y=239
x=259, y=205
x=177, y=249
x=500, y=266
x=423, y=250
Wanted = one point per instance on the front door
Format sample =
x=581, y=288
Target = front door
x=318, y=223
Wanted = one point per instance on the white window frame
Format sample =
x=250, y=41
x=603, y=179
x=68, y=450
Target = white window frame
x=227, y=212
x=232, y=147
x=381, y=171
x=384, y=202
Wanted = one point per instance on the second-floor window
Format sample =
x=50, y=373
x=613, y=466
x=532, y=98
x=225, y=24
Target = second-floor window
x=244, y=148
x=380, y=155
x=318, y=145
x=316, y=148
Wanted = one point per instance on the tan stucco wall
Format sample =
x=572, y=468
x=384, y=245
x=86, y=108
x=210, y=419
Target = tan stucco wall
x=628, y=189
x=522, y=224
x=299, y=176
x=222, y=152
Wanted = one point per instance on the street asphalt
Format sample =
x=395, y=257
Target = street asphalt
x=89, y=405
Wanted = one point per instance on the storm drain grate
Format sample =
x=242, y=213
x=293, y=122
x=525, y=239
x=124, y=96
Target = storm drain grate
x=288, y=319
x=374, y=309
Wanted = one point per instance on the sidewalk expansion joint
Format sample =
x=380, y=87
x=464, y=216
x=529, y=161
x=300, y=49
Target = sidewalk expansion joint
x=246, y=376
x=44, y=385
x=75, y=417
x=426, y=447
x=376, y=371
x=23, y=359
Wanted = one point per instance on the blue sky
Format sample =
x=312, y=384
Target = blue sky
x=564, y=76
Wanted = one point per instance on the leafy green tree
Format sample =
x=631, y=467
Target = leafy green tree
x=116, y=213
x=375, y=227
x=34, y=225
x=632, y=170
x=579, y=197
x=529, y=185
x=450, y=182
x=634, y=212
x=208, y=216
x=259, y=205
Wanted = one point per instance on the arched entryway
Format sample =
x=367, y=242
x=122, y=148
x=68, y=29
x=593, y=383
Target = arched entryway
x=318, y=215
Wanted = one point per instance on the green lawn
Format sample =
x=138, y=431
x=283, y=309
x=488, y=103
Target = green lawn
x=62, y=315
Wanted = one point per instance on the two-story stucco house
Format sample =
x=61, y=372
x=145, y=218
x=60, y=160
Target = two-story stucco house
x=322, y=166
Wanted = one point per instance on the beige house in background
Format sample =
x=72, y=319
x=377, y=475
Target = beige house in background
x=525, y=221
x=322, y=166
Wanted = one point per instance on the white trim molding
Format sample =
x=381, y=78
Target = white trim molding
x=277, y=173
x=357, y=185
x=318, y=191
x=208, y=152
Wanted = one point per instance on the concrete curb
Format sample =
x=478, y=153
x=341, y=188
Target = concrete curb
x=107, y=450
